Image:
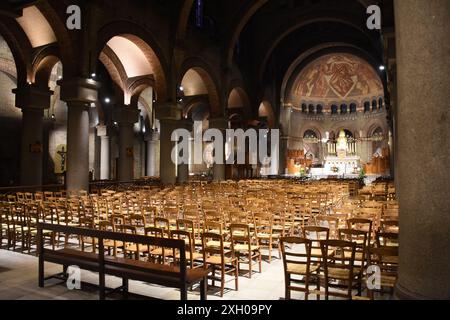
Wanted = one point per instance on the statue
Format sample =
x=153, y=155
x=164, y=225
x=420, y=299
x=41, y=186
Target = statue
x=341, y=145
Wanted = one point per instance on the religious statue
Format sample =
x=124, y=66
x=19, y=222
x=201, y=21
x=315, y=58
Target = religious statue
x=342, y=141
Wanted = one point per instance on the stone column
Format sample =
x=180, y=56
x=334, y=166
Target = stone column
x=32, y=100
x=105, y=154
x=152, y=139
x=423, y=150
x=126, y=117
x=284, y=141
x=78, y=94
x=183, y=169
x=219, y=169
x=168, y=114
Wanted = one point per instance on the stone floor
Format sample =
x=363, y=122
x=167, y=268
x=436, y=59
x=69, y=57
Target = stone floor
x=19, y=274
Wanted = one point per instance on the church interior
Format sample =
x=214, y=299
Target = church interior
x=351, y=202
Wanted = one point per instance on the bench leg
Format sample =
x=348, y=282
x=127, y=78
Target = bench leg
x=102, y=292
x=204, y=289
x=41, y=271
x=183, y=292
x=125, y=288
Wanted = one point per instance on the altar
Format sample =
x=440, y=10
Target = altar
x=344, y=161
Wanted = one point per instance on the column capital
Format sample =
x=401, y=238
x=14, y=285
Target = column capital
x=151, y=136
x=79, y=90
x=168, y=111
x=186, y=124
x=126, y=115
x=218, y=123
x=32, y=97
x=103, y=131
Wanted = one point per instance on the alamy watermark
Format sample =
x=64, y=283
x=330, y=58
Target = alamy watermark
x=236, y=143
x=374, y=20
x=73, y=278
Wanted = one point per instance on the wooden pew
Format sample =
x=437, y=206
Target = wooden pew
x=170, y=276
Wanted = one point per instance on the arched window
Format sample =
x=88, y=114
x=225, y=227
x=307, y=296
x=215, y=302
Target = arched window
x=334, y=109
x=353, y=108
x=344, y=108
x=310, y=134
x=348, y=133
x=374, y=105
x=311, y=109
x=366, y=106
x=380, y=103
x=319, y=109
x=304, y=108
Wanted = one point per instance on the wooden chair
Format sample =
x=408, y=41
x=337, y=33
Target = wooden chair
x=109, y=244
x=129, y=248
x=359, y=237
x=316, y=235
x=216, y=257
x=265, y=235
x=192, y=255
x=386, y=259
x=339, y=267
x=156, y=254
x=243, y=248
x=296, y=253
x=363, y=225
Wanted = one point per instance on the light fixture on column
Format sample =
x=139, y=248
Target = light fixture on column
x=181, y=88
x=107, y=100
x=382, y=68
x=93, y=75
x=115, y=123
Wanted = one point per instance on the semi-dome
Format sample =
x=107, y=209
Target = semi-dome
x=335, y=78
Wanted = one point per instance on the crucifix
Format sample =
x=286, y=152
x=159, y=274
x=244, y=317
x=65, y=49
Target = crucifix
x=63, y=154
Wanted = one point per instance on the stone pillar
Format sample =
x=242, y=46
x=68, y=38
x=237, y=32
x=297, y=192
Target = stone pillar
x=219, y=169
x=105, y=154
x=152, y=139
x=183, y=169
x=423, y=70
x=32, y=100
x=78, y=146
x=284, y=141
x=78, y=93
x=168, y=114
x=126, y=117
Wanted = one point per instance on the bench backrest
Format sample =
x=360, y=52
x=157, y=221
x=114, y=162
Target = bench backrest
x=109, y=235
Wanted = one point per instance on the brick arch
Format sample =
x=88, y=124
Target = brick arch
x=8, y=67
x=43, y=63
x=208, y=81
x=242, y=95
x=371, y=126
x=319, y=131
x=183, y=19
x=68, y=55
x=147, y=45
x=20, y=47
x=138, y=86
x=238, y=24
x=265, y=109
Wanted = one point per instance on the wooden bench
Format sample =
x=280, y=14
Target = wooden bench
x=165, y=275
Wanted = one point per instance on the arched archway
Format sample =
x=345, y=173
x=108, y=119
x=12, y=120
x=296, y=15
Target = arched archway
x=265, y=110
x=197, y=81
